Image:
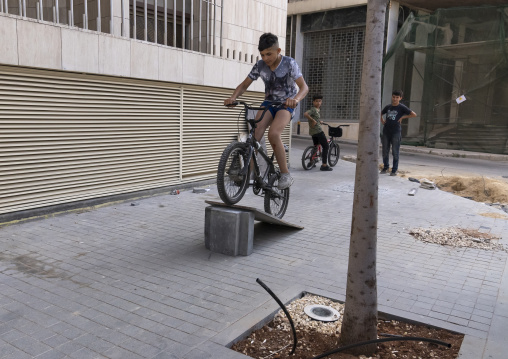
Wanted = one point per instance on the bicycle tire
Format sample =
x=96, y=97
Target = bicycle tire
x=230, y=184
x=307, y=161
x=276, y=200
x=333, y=154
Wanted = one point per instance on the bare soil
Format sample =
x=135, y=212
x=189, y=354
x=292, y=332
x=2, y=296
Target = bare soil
x=275, y=340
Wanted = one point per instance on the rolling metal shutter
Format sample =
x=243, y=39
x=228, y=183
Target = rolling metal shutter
x=67, y=137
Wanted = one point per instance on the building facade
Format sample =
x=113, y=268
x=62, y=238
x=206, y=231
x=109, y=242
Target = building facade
x=94, y=104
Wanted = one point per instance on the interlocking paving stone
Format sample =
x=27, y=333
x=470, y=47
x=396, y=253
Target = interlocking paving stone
x=136, y=281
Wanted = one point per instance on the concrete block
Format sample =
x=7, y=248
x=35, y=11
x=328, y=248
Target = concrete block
x=39, y=45
x=170, y=64
x=213, y=75
x=114, y=56
x=229, y=231
x=80, y=51
x=144, y=60
x=193, y=68
x=8, y=41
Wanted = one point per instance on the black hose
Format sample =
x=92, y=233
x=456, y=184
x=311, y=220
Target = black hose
x=381, y=341
x=285, y=312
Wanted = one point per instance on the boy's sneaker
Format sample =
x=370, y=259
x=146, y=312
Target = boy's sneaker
x=393, y=173
x=383, y=171
x=285, y=181
x=326, y=168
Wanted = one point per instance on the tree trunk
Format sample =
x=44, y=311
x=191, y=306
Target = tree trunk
x=360, y=313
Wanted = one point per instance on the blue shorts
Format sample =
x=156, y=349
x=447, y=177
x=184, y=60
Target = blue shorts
x=274, y=110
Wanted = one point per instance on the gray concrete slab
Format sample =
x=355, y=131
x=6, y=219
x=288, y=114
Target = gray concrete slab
x=137, y=281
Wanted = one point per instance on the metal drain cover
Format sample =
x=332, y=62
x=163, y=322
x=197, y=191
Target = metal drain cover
x=321, y=312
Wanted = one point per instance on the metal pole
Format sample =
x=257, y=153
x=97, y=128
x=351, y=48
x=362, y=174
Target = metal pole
x=183, y=24
x=6, y=7
x=214, y=24
x=85, y=16
x=20, y=8
x=24, y=8
x=71, y=22
x=122, y=10
x=134, y=30
x=54, y=14
x=2, y=7
x=145, y=9
x=42, y=12
x=155, y=22
x=57, y=12
x=221, y=24
x=99, y=15
x=36, y=8
x=192, y=25
x=208, y=26
x=199, y=24
x=111, y=30
x=174, y=23
x=166, y=22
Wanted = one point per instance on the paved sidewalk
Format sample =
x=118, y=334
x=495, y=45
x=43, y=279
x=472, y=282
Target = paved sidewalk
x=135, y=281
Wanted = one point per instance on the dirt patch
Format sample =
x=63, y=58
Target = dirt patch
x=480, y=189
x=275, y=341
x=494, y=215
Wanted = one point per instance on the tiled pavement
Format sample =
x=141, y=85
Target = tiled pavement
x=135, y=281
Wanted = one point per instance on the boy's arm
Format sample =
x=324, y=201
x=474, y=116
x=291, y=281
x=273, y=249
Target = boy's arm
x=303, y=89
x=412, y=114
x=312, y=121
x=239, y=91
x=383, y=121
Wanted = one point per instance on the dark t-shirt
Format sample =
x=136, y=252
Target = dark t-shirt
x=393, y=115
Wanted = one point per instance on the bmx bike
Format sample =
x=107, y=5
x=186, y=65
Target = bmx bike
x=237, y=162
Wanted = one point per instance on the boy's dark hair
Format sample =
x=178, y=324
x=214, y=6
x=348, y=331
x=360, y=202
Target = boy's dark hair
x=317, y=97
x=267, y=40
x=397, y=93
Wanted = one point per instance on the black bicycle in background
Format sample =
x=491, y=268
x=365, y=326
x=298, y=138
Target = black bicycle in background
x=237, y=162
x=312, y=154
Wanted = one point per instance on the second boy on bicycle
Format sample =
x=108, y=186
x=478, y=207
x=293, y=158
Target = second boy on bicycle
x=283, y=82
x=315, y=130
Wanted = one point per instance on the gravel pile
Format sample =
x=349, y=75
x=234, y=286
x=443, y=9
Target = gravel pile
x=303, y=322
x=459, y=237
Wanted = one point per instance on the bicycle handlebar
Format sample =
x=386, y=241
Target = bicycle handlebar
x=324, y=123
x=272, y=104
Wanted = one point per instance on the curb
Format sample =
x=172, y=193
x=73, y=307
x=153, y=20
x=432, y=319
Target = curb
x=434, y=151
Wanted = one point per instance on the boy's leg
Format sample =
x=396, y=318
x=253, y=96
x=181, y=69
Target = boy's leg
x=282, y=118
x=385, y=141
x=324, y=144
x=396, y=139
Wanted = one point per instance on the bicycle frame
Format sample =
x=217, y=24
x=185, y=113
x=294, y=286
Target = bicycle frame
x=254, y=146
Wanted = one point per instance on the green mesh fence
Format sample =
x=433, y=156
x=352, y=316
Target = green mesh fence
x=453, y=68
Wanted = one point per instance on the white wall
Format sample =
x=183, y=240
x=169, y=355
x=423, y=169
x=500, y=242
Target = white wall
x=296, y=7
x=59, y=47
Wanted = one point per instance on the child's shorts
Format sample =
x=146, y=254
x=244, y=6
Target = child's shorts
x=274, y=110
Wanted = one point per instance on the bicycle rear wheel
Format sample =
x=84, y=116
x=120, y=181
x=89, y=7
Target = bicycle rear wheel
x=232, y=182
x=333, y=154
x=308, y=158
x=276, y=200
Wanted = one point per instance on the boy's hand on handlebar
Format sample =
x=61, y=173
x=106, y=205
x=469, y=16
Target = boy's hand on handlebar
x=291, y=102
x=230, y=102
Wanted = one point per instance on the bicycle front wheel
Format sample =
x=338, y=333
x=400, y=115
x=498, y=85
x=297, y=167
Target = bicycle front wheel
x=308, y=158
x=233, y=173
x=276, y=200
x=333, y=154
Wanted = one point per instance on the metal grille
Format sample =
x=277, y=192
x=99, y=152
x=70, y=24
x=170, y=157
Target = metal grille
x=68, y=137
x=332, y=67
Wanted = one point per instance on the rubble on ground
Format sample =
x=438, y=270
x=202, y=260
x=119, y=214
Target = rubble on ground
x=459, y=237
